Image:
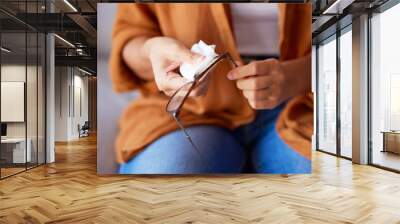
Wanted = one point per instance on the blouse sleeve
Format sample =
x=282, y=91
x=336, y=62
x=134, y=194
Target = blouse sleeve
x=132, y=20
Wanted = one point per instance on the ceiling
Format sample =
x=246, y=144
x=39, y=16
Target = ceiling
x=332, y=15
x=74, y=21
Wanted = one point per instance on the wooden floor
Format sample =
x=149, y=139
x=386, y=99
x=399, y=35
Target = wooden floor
x=10, y=171
x=387, y=159
x=69, y=191
x=5, y=172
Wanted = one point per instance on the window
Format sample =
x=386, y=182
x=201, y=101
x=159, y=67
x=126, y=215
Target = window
x=22, y=77
x=327, y=96
x=15, y=150
x=346, y=92
x=385, y=89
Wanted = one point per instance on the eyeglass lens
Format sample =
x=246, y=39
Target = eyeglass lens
x=177, y=99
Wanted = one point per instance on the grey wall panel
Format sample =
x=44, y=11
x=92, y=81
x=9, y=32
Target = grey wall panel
x=109, y=103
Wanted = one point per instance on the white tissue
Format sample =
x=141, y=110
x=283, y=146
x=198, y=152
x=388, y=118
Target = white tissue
x=188, y=70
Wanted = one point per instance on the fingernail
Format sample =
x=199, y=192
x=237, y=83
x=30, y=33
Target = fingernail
x=230, y=76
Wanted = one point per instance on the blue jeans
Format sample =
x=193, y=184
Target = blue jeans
x=255, y=147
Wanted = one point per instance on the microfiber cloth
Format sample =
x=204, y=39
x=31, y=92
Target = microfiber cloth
x=189, y=70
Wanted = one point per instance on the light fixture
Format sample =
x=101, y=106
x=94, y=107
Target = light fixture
x=80, y=51
x=70, y=5
x=337, y=7
x=5, y=50
x=84, y=71
x=64, y=40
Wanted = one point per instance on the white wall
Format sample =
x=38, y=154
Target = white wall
x=79, y=117
x=14, y=73
x=61, y=103
x=17, y=73
x=70, y=83
x=33, y=126
x=13, y=100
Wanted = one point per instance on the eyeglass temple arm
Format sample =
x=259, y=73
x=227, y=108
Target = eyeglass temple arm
x=185, y=132
x=191, y=141
x=229, y=57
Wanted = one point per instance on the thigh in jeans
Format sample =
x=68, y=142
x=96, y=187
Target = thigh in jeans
x=173, y=154
x=271, y=154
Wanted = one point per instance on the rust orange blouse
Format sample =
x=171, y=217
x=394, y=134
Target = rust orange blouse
x=145, y=119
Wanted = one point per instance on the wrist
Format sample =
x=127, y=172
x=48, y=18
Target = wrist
x=297, y=76
x=148, y=46
x=134, y=56
x=293, y=84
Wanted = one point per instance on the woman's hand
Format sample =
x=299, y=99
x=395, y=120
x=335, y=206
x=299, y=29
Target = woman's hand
x=166, y=55
x=268, y=83
x=156, y=59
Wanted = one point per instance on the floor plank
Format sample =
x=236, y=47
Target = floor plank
x=69, y=191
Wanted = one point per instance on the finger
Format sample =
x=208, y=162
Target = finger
x=255, y=95
x=173, y=81
x=254, y=83
x=169, y=93
x=251, y=69
x=263, y=104
x=172, y=66
x=242, y=71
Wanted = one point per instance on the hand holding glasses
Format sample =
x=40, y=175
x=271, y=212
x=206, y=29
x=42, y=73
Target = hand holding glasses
x=177, y=100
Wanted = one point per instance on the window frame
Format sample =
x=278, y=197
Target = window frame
x=378, y=10
x=27, y=29
x=333, y=37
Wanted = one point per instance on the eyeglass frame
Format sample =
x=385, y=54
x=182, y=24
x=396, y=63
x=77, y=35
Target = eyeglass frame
x=197, y=78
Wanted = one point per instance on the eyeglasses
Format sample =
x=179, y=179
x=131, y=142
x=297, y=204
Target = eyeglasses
x=177, y=100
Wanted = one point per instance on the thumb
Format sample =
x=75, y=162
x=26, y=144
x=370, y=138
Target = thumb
x=173, y=81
